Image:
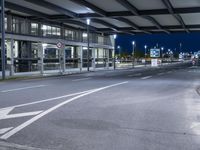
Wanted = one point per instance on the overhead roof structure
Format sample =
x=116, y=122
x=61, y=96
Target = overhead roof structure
x=115, y=16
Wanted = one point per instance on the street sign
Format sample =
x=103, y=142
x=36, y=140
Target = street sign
x=154, y=62
x=60, y=45
x=155, y=53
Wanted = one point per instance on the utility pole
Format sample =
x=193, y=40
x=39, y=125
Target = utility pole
x=3, y=57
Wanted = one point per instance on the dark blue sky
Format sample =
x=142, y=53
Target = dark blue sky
x=190, y=42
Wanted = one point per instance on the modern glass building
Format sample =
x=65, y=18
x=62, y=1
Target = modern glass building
x=42, y=46
x=43, y=35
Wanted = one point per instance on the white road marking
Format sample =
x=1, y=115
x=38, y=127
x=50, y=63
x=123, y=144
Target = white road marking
x=45, y=100
x=147, y=77
x=195, y=125
x=162, y=73
x=5, y=111
x=27, y=123
x=135, y=75
x=4, y=130
x=82, y=79
x=24, y=88
x=169, y=72
x=4, y=114
x=7, y=145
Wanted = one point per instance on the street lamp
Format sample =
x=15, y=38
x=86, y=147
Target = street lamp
x=88, y=44
x=119, y=50
x=133, y=53
x=162, y=49
x=115, y=36
x=145, y=55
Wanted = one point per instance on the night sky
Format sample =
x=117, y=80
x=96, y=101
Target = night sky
x=190, y=42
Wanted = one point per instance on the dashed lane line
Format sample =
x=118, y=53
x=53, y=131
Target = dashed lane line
x=135, y=75
x=81, y=79
x=147, y=77
x=23, y=88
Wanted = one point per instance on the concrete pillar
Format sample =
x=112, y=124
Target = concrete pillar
x=93, y=59
x=80, y=62
x=62, y=59
x=41, y=58
x=114, y=58
x=107, y=58
x=11, y=57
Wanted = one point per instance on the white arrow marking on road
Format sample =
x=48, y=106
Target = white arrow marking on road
x=44, y=113
x=4, y=114
x=4, y=130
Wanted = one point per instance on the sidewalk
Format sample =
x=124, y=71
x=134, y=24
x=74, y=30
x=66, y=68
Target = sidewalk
x=49, y=73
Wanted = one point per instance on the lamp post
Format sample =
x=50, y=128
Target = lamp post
x=145, y=55
x=133, y=53
x=115, y=36
x=88, y=45
x=3, y=57
x=119, y=50
x=180, y=48
x=162, y=49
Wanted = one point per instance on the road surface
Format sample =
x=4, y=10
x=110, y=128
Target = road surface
x=135, y=109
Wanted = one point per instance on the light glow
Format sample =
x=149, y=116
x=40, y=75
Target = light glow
x=88, y=21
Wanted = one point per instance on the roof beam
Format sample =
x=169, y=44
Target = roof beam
x=170, y=8
x=129, y=6
x=67, y=14
x=131, y=24
x=51, y=6
x=128, y=22
x=113, y=27
x=24, y=10
x=39, y=15
x=91, y=6
x=144, y=12
x=152, y=20
x=134, y=11
x=103, y=13
x=79, y=23
x=173, y=27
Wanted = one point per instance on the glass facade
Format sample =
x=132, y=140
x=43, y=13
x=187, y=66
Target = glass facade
x=25, y=56
x=24, y=26
x=34, y=28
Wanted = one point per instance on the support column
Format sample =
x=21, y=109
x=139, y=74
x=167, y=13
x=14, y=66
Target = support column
x=41, y=58
x=11, y=57
x=107, y=58
x=114, y=59
x=62, y=59
x=93, y=59
x=80, y=63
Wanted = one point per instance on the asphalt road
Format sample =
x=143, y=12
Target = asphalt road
x=135, y=109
